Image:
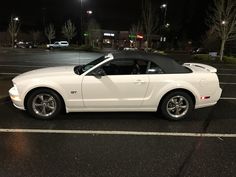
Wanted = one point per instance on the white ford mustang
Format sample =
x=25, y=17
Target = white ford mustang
x=125, y=81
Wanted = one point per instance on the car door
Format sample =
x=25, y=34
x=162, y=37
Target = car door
x=118, y=88
x=56, y=44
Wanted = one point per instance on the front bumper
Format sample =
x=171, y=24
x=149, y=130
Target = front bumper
x=15, y=97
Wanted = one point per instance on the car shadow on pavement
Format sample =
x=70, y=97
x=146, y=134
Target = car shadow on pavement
x=202, y=120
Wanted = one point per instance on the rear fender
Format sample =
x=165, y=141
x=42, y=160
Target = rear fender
x=180, y=86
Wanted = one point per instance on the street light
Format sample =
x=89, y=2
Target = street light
x=163, y=5
x=167, y=25
x=223, y=22
x=89, y=12
x=16, y=19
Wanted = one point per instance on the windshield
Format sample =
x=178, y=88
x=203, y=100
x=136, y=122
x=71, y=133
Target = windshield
x=83, y=68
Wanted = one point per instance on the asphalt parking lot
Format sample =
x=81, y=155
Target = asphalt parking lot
x=113, y=144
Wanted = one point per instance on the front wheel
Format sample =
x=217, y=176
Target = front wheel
x=177, y=105
x=44, y=104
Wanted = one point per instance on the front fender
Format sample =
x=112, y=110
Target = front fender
x=42, y=84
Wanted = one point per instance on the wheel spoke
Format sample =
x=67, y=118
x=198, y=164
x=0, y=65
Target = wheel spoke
x=181, y=100
x=171, y=109
x=177, y=111
x=38, y=104
x=51, y=107
x=44, y=110
x=183, y=107
x=50, y=99
x=173, y=101
x=41, y=98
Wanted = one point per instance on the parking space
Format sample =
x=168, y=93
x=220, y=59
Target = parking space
x=115, y=144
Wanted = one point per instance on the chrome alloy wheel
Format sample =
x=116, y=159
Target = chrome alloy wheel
x=177, y=106
x=44, y=105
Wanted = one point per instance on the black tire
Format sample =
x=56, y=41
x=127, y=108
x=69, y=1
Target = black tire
x=44, y=104
x=177, y=105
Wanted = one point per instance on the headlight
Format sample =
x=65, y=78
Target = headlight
x=14, y=94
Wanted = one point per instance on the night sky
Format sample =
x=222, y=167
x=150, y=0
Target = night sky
x=185, y=16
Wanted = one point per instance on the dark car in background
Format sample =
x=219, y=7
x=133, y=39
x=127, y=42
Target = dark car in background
x=22, y=44
x=200, y=51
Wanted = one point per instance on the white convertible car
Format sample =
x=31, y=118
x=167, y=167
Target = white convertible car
x=125, y=81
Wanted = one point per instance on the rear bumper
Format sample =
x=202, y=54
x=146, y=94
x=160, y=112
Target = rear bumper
x=210, y=102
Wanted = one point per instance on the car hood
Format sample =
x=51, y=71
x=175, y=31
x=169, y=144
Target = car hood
x=46, y=72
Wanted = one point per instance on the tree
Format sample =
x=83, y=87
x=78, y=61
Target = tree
x=13, y=29
x=50, y=32
x=150, y=20
x=135, y=30
x=35, y=36
x=222, y=19
x=211, y=41
x=94, y=32
x=69, y=30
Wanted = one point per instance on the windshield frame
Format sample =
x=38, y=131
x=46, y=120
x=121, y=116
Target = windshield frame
x=81, y=69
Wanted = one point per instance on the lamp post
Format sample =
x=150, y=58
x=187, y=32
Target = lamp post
x=164, y=25
x=164, y=6
x=81, y=21
x=14, y=29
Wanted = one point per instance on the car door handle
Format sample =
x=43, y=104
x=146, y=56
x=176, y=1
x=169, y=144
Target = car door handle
x=139, y=82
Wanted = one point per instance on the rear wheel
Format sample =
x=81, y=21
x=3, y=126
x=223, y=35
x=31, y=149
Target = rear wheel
x=44, y=104
x=177, y=105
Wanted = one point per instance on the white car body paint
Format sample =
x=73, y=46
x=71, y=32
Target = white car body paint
x=82, y=93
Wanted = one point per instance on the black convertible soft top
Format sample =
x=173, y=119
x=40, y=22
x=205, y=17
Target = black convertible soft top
x=167, y=64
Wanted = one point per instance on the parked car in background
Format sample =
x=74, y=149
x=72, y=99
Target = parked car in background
x=200, y=51
x=125, y=81
x=130, y=49
x=58, y=44
x=22, y=44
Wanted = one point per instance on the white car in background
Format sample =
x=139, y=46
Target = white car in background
x=125, y=81
x=58, y=44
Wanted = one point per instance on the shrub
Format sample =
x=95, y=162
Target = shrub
x=206, y=57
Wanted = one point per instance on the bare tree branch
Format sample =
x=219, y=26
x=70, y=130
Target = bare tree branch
x=222, y=19
x=150, y=20
x=69, y=30
x=94, y=32
x=13, y=29
x=35, y=36
x=50, y=32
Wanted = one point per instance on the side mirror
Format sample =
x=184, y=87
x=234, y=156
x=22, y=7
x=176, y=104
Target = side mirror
x=98, y=73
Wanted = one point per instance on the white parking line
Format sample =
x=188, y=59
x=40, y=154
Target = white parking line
x=226, y=69
x=131, y=133
x=227, y=83
x=226, y=74
x=228, y=98
x=10, y=74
